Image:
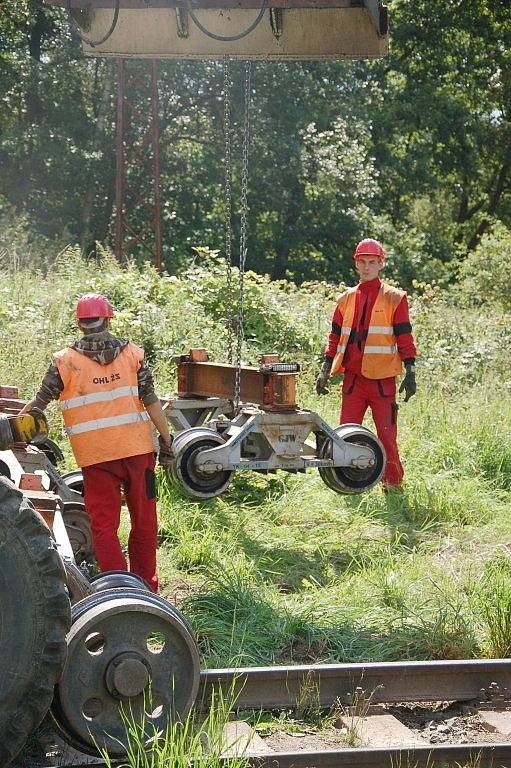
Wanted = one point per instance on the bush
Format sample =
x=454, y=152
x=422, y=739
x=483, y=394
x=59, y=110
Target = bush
x=484, y=275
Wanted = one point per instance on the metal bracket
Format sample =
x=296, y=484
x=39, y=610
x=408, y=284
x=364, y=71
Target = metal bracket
x=182, y=22
x=282, y=444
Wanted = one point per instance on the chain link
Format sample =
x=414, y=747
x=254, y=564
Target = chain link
x=229, y=297
x=243, y=232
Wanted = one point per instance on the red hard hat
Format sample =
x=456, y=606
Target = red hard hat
x=93, y=305
x=369, y=247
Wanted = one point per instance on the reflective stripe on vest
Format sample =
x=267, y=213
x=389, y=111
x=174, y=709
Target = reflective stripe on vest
x=98, y=397
x=370, y=350
x=113, y=421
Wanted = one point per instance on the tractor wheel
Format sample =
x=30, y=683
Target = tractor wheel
x=35, y=617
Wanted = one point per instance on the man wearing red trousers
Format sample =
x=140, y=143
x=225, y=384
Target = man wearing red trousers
x=370, y=339
x=108, y=402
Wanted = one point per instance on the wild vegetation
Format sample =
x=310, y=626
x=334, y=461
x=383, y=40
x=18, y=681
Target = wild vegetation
x=413, y=149
x=281, y=568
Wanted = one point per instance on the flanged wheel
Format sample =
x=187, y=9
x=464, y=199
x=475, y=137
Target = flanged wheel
x=117, y=580
x=77, y=523
x=184, y=472
x=74, y=481
x=353, y=479
x=35, y=617
x=129, y=653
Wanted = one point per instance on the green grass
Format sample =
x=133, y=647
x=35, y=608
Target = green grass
x=286, y=570
x=281, y=569
x=193, y=740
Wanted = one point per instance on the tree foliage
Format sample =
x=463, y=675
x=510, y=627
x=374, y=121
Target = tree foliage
x=414, y=149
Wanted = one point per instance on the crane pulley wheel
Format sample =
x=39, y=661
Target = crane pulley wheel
x=226, y=38
x=353, y=479
x=134, y=657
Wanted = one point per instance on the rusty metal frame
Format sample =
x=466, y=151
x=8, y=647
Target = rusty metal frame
x=272, y=391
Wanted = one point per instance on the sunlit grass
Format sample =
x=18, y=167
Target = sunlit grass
x=281, y=568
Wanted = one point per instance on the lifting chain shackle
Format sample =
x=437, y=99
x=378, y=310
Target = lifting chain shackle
x=243, y=232
x=229, y=298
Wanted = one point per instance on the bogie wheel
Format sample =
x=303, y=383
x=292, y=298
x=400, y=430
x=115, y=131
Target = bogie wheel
x=35, y=617
x=135, y=657
x=74, y=481
x=353, y=479
x=78, y=528
x=185, y=473
x=117, y=580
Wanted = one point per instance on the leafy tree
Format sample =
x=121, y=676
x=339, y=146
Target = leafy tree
x=442, y=131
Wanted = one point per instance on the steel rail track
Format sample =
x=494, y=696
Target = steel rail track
x=483, y=755
x=389, y=682
x=496, y=755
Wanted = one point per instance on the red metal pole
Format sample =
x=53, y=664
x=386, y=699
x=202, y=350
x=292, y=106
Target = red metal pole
x=119, y=161
x=155, y=126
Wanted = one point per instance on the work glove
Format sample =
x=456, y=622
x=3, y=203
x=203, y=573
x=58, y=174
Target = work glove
x=322, y=380
x=165, y=454
x=409, y=385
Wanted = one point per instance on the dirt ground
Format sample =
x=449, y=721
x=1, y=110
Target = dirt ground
x=445, y=723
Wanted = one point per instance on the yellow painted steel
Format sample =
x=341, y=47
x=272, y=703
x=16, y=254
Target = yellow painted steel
x=28, y=427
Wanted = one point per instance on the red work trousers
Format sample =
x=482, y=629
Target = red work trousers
x=359, y=394
x=102, y=488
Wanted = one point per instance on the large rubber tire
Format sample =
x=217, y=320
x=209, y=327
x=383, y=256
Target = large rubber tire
x=35, y=617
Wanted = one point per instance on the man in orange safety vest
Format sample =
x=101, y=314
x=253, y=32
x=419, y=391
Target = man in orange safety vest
x=370, y=339
x=108, y=402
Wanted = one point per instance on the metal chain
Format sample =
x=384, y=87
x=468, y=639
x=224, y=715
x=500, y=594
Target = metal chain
x=243, y=231
x=229, y=298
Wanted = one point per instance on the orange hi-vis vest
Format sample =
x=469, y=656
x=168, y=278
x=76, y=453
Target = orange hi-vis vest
x=380, y=358
x=103, y=416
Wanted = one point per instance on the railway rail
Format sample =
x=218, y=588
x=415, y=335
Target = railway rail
x=485, y=683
